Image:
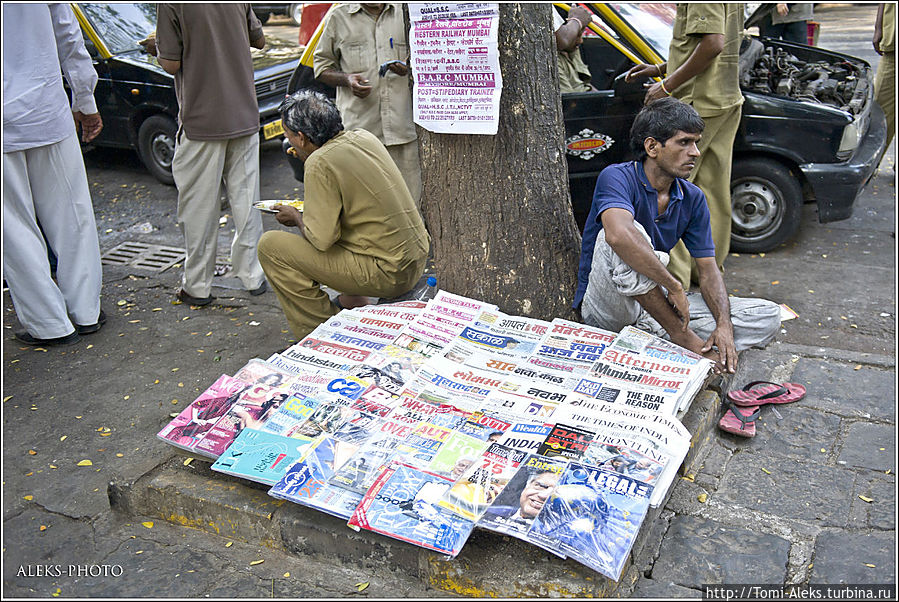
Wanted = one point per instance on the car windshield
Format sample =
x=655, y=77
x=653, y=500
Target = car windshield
x=120, y=26
x=654, y=21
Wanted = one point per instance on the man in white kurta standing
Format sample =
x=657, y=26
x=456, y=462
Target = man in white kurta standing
x=43, y=175
x=207, y=48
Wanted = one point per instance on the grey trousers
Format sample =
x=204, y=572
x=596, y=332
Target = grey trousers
x=609, y=302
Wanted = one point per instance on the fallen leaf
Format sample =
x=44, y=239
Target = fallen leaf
x=287, y=574
x=139, y=552
x=56, y=593
x=870, y=566
x=121, y=302
x=229, y=544
x=120, y=455
x=858, y=367
x=702, y=497
x=105, y=434
x=775, y=282
x=148, y=524
x=31, y=452
x=127, y=397
x=85, y=463
x=823, y=451
x=43, y=528
x=255, y=562
x=156, y=309
x=188, y=461
x=362, y=586
x=688, y=477
x=766, y=471
x=7, y=398
x=28, y=498
x=63, y=438
x=53, y=466
x=866, y=499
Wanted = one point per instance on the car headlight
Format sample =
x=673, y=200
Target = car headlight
x=852, y=135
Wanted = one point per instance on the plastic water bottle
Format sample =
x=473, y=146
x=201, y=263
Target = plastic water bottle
x=426, y=290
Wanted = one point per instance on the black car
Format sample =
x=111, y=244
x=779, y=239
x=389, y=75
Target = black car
x=810, y=129
x=136, y=98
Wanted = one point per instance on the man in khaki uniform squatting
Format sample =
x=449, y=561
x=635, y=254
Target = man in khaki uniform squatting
x=703, y=71
x=356, y=40
x=360, y=232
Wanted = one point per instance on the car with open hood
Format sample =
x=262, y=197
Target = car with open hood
x=136, y=97
x=810, y=130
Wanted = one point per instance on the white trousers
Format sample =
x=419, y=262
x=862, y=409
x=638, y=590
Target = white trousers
x=201, y=168
x=49, y=184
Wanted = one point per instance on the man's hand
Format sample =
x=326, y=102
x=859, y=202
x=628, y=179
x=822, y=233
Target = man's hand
x=782, y=9
x=722, y=338
x=678, y=300
x=644, y=70
x=399, y=68
x=149, y=44
x=360, y=86
x=581, y=14
x=654, y=91
x=90, y=125
x=289, y=216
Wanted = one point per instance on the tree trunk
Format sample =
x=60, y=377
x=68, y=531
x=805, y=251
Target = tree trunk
x=498, y=207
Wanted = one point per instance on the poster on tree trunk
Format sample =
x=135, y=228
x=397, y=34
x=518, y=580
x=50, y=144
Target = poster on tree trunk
x=455, y=67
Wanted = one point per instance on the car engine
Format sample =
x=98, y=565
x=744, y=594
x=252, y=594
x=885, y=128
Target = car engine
x=773, y=70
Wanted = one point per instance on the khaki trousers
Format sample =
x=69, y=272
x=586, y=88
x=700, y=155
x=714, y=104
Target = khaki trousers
x=885, y=91
x=201, y=168
x=296, y=269
x=712, y=175
x=406, y=158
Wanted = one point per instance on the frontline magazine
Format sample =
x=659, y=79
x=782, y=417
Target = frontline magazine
x=468, y=416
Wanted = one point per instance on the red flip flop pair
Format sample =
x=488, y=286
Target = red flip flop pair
x=743, y=405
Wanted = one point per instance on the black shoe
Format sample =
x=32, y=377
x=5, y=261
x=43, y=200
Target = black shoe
x=260, y=289
x=25, y=337
x=191, y=300
x=92, y=328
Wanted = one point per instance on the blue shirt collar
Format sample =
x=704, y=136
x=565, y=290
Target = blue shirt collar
x=675, y=194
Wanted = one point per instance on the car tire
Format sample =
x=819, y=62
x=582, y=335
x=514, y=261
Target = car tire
x=766, y=203
x=156, y=142
x=263, y=17
x=295, y=12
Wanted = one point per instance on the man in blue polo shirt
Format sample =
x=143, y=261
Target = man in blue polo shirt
x=640, y=210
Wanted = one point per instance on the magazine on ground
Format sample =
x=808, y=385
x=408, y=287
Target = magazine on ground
x=195, y=420
x=401, y=504
x=514, y=510
x=260, y=456
x=251, y=410
x=296, y=410
x=306, y=480
x=593, y=516
x=481, y=482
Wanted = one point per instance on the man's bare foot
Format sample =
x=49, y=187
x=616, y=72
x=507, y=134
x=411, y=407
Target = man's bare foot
x=352, y=301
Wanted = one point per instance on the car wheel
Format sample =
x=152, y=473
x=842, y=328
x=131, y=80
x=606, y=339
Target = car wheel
x=156, y=142
x=295, y=12
x=767, y=205
x=263, y=17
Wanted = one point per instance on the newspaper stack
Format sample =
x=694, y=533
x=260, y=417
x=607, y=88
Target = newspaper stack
x=420, y=421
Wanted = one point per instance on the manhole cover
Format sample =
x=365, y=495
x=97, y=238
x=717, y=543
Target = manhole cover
x=156, y=258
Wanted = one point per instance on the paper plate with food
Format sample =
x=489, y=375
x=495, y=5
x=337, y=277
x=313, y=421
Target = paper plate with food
x=268, y=205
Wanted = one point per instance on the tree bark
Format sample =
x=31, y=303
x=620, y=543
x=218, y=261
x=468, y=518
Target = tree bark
x=498, y=207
